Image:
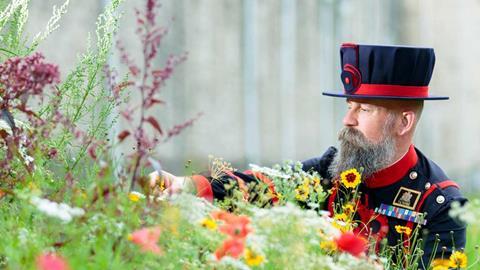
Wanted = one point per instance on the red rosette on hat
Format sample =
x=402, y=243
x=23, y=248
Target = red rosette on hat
x=351, y=78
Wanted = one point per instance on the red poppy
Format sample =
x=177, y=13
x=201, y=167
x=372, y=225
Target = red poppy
x=232, y=247
x=224, y=216
x=351, y=243
x=235, y=226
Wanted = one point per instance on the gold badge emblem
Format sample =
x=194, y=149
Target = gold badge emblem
x=407, y=198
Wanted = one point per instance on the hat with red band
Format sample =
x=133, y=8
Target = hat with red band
x=386, y=72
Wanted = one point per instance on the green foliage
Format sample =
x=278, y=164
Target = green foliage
x=86, y=101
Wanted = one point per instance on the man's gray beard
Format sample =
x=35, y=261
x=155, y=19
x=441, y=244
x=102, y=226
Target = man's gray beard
x=358, y=152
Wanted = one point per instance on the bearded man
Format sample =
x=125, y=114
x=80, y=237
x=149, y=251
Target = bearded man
x=385, y=88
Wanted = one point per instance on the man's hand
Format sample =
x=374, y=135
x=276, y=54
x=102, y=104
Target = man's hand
x=168, y=183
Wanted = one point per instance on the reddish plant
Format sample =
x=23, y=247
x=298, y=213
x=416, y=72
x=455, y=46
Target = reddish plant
x=20, y=79
x=148, y=82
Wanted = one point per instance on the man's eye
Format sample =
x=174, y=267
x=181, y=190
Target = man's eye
x=364, y=110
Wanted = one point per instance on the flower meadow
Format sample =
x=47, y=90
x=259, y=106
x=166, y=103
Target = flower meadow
x=68, y=202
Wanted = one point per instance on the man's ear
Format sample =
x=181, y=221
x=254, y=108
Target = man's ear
x=407, y=123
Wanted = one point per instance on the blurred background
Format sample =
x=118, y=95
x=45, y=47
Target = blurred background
x=256, y=70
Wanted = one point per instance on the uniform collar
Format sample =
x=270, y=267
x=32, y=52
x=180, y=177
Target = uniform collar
x=395, y=172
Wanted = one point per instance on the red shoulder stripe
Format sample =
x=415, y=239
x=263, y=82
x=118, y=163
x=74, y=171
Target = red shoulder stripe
x=448, y=183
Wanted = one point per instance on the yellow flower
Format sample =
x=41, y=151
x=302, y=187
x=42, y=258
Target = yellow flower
x=350, y=178
x=458, y=260
x=328, y=246
x=440, y=264
x=342, y=222
x=315, y=182
x=208, y=223
x=348, y=208
x=403, y=230
x=135, y=196
x=252, y=258
x=302, y=192
x=341, y=217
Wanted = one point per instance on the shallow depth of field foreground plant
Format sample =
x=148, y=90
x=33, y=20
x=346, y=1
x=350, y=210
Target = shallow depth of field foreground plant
x=66, y=202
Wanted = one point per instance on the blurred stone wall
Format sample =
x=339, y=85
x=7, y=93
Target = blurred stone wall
x=256, y=69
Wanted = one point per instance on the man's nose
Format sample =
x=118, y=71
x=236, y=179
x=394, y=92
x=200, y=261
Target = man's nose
x=350, y=119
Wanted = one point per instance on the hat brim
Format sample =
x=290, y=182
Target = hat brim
x=342, y=95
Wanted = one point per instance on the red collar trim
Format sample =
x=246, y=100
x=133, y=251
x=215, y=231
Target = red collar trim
x=395, y=172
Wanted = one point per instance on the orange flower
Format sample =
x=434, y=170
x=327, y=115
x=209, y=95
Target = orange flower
x=238, y=228
x=351, y=243
x=235, y=226
x=51, y=261
x=147, y=239
x=224, y=216
x=232, y=247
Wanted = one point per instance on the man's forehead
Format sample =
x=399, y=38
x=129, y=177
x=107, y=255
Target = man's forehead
x=389, y=104
x=375, y=102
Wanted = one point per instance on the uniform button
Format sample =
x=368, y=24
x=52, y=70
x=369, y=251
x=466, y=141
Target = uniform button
x=428, y=185
x=440, y=199
x=413, y=175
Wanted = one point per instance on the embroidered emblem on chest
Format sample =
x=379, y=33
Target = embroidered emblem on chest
x=407, y=198
x=401, y=213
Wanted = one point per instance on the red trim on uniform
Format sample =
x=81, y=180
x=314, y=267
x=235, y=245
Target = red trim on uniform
x=448, y=183
x=241, y=184
x=204, y=188
x=395, y=172
x=392, y=90
x=266, y=180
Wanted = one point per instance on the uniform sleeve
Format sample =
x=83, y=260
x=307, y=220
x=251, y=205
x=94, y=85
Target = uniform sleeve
x=447, y=231
x=252, y=184
x=322, y=163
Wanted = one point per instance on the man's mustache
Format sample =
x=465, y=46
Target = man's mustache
x=353, y=136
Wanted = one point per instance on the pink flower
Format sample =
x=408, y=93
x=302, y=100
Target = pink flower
x=147, y=239
x=51, y=261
